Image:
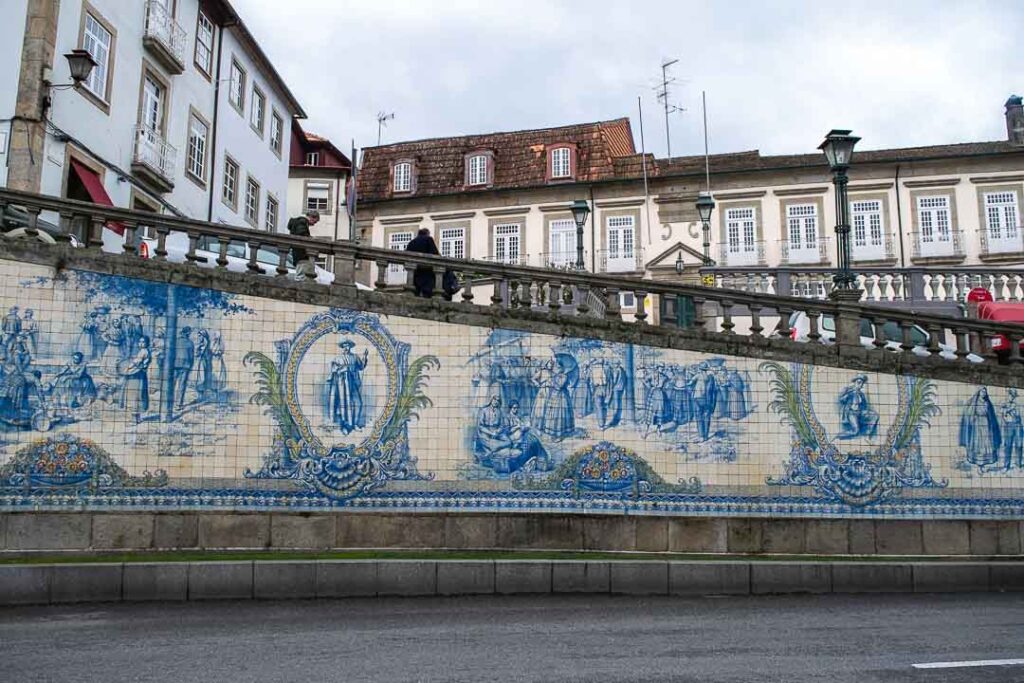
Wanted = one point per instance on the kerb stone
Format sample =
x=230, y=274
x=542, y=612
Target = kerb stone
x=98, y=582
x=275, y=580
x=346, y=578
x=865, y=577
x=145, y=581
x=459, y=577
x=639, y=578
x=580, y=577
x=512, y=577
x=220, y=580
x=709, y=578
x=785, y=577
x=949, y=577
x=407, y=577
x=24, y=584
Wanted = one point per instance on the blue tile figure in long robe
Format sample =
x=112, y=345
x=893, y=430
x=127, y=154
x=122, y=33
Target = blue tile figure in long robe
x=856, y=416
x=556, y=410
x=704, y=389
x=1013, y=431
x=979, y=431
x=134, y=372
x=344, y=391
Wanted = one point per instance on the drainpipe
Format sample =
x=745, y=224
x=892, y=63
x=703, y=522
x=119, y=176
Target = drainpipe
x=899, y=219
x=593, y=232
x=213, y=136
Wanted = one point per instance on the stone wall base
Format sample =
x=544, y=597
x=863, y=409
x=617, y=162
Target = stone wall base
x=104, y=531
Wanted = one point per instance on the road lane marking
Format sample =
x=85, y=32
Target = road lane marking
x=977, y=662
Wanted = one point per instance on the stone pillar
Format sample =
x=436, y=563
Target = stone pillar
x=28, y=132
x=847, y=316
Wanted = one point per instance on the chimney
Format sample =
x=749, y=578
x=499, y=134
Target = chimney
x=1015, y=120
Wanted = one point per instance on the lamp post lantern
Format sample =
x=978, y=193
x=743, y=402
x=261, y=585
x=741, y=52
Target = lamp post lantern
x=81, y=64
x=580, y=210
x=838, y=149
x=705, y=207
x=680, y=266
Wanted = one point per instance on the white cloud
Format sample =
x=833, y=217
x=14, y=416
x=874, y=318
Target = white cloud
x=778, y=75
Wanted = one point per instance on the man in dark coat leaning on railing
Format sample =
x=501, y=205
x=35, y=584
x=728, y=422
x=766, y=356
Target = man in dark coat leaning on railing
x=423, y=278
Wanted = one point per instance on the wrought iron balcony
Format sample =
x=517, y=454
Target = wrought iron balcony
x=868, y=252
x=1005, y=243
x=620, y=261
x=937, y=245
x=794, y=253
x=560, y=260
x=164, y=37
x=154, y=158
x=742, y=254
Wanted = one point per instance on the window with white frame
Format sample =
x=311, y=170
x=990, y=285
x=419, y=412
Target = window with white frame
x=453, y=242
x=204, y=43
x=868, y=229
x=561, y=163
x=741, y=236
x=236, y=90
x=627, y=300
x=318, y=197
x=312, y=158
x=276, y=132
x=478, y=169
x=258, y=112
x=802, y=221
x=98, y=42
x=252, y=201
x=936, y=238
x=198, y=132
x=229, y=191
x=562, y=243
x=1001, y=216
x=507, y=243
x=152, y=113
x=402, y=177
x=270, y=219
x=620, y=232
x=397, y=241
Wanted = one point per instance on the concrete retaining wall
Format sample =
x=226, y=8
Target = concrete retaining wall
x=98, y=531
x=280, y=580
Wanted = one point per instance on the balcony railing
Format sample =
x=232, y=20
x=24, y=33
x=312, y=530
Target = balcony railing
x=620, y=261
x=743, y=254
x=1007, y=241
x=559, y=260
x=800, y=252
x=873, y=251
x=519, y=260
x=153, y=156
x=513, y=291
x=937, y=245
x=165, y=37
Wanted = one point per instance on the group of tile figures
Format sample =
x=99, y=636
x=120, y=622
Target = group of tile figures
x=547, y=417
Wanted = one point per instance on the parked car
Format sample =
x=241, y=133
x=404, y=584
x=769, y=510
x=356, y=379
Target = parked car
x=800, y=327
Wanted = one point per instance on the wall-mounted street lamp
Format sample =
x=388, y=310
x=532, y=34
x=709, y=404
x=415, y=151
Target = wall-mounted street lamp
x=705, y=207
x=838, y=149
x=680, y=266
x=580, y=211
x=81, y=64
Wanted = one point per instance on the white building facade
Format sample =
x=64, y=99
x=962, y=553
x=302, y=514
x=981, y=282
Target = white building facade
x=182, y=113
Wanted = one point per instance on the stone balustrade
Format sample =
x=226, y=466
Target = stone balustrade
x=763, y=298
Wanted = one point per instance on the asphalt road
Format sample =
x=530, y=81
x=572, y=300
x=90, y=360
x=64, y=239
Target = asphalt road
x=805, y=638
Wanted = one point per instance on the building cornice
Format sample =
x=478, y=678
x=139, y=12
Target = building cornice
x=507, y=211
x=934, y=182
x=400, y=221
x=459, y=215
x=989, y=179
x=799, y=191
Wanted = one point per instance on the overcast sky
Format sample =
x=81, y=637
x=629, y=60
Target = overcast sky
x=778, y=75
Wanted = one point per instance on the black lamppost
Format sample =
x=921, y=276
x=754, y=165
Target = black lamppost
x=580, y=210
x=838, y=149
x=705, y=207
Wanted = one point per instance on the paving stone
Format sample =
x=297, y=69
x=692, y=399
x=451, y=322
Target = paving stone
x=580, y=577
x=465, y=577
x=145, y=581
x=346, y=578
x=94, y=582
x=220, y=580
x=517, y=577
x=709, y=578
x=639, y=578
x=275, y=580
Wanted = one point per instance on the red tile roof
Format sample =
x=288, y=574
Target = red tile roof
x=520, y=158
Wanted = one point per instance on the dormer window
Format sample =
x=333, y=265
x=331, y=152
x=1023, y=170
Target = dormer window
x=478, y=169
x=312, y=158
x=402, y=177
x=561, y=165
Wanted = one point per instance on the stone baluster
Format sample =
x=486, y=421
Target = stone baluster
x=32, y=227
x=467, y=286
x=95, y=238
x=161, y=241
x=935, y=333
x=699, y=320
x=1016, y=340
x=282, y=260
x=906, y=340
x=755, y=321
x=583, y=293
x=253, y=266
x=496, y=297
x=782, y=328
x=129, y=237
x=612, y=310
x=514, y=298
x=526, y=298
x=727, y=323
x=410, y=278
x=190, y=255
x=878, y=330
x=554, y=296
x=382, y=274
x=813, y=331
x=641, y=306
x=962, y=349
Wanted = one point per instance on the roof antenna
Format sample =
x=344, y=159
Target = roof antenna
x=663, y=96
x=382, y=119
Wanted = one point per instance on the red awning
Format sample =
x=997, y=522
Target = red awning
x=1003, y=311
x=94, y=188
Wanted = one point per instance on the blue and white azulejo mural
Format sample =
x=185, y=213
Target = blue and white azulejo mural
x=129, y=393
